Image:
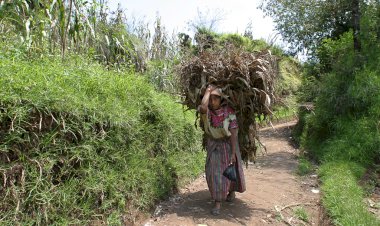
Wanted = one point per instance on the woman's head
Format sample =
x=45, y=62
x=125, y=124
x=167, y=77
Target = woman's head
x=215, y=102
x=216, y=99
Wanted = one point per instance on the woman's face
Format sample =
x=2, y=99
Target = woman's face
x=215, y=102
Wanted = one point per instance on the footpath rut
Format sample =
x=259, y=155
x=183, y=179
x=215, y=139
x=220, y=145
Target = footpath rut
x=275, y=195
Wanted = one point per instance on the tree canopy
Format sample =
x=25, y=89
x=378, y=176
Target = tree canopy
x=304, y=24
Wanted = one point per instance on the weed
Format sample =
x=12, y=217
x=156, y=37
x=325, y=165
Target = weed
x=301, y=214
x=304, y=167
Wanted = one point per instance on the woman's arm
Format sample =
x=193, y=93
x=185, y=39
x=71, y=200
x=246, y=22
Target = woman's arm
x=233, y=141
x=204, y=105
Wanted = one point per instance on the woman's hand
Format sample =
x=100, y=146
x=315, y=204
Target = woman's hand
x=205, y=100
x=210, y=88
x=233, y=142
x=233, y=159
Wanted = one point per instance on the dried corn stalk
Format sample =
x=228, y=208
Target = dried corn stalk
x=246, y=78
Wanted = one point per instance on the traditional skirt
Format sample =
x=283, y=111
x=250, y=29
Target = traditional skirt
x=218, y=158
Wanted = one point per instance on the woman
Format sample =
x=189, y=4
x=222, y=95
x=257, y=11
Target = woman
x=221, y=129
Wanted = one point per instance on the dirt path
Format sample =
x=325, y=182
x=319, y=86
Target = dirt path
x=271, y=185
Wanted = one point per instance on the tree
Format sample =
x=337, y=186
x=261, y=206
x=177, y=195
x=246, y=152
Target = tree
x=304, y=24
x=356, y=23
x=184, y=41
x=208, y=20
x=248, y=32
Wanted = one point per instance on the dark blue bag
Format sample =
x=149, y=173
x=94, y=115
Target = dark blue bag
x=230, y=173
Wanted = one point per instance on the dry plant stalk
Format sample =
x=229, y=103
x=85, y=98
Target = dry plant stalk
x=247, y=79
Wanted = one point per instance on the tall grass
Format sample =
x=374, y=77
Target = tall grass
x=343, y=197
x=83, y=144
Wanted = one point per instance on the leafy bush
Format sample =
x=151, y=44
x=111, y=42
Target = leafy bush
x=344, y=125
x=337, y=55
x=235, y=39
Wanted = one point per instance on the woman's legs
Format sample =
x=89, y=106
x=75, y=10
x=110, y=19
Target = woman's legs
x=218, y=157
x=216, y=210
x=230, y=196
x=217, y=161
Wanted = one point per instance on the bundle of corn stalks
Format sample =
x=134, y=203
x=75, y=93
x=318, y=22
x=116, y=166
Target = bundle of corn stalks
x=247, y=79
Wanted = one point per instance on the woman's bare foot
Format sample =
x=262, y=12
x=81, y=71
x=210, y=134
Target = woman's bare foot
x=216, y=210
x=230, y=196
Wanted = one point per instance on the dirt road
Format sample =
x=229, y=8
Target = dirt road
x=275, y=194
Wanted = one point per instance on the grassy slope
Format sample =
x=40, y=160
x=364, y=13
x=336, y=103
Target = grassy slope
x=80, y=143
x=343, y=197
x=287, y=86
x=343, y=134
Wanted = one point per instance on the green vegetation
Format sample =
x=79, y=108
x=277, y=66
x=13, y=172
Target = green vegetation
x=284, y=112
x=80, y=143
x=343, y=197
x=344, y=124
x=87, y=134
x=289, y=81
x=304, y=167
x=287, y=88
x=342, y=131
x=305, y=25
x=301, y=214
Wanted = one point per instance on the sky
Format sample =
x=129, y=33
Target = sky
x=175, y=14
